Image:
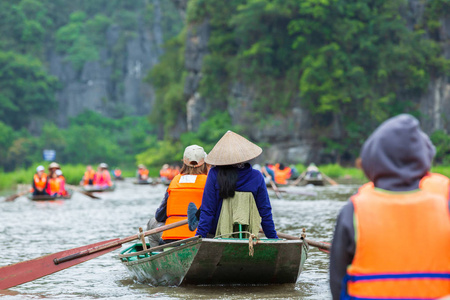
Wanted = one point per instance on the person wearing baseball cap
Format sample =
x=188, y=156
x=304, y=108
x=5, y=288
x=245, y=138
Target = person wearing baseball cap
x=40, y=181
x=184, y=188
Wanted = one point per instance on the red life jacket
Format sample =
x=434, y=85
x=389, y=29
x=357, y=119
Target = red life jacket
x=182, y=190
x=402, y=243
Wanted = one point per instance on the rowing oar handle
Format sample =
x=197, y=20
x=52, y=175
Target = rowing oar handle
x=119, y=242
x=311, y=243
x=319, y=245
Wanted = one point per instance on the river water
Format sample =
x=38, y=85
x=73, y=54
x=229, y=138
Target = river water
x=32, y=229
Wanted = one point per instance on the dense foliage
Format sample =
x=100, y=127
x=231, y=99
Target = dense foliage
x=348, y=62
x=29, y=31
x=89, y=139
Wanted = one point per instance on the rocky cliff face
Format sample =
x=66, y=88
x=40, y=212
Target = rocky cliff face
x=113, y=85
x=292, y=138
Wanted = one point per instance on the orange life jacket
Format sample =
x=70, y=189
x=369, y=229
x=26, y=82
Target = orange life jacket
x=173, y=173
x=143, y=172
x=402, y=243
x=54, y=185
x=182, y=190
x=40, y=183
x=165, y=173
x=88, y=175
x=281, y=176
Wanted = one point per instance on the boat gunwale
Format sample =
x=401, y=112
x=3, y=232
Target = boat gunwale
x=158, y=255
x=153, y=249
x=124, y=256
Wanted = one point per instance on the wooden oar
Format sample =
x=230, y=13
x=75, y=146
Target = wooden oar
x=331, y=181
x=323, y=246
x=297, y=181
x=275, y=188
x=298, y=192
x=30, y=270
x=15, y=196
x=77, y=189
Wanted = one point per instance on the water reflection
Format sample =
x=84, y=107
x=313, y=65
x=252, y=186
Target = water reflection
x=32, y=229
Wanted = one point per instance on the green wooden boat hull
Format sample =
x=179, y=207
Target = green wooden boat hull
x=219, y=261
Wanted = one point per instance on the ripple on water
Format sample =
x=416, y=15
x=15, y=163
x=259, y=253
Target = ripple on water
x=30, y=229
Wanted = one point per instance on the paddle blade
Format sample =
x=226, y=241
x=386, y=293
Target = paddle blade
x=12, y=198
x=30, y=270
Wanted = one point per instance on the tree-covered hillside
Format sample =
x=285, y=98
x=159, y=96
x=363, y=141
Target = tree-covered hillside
x=305, y=79
x=349, y=64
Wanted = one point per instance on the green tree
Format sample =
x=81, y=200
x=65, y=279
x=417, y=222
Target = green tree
x=26, y=89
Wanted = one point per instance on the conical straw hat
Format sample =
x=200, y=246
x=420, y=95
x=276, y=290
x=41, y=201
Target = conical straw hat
x=232, y=149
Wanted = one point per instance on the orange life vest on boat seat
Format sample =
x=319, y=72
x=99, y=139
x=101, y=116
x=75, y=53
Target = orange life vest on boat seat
x=40, y=183
x=387, y=227
x=281, y=176
x=182, y=190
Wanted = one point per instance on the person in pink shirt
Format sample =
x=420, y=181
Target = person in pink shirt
x=102, y=177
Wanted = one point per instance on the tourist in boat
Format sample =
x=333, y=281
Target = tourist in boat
x=186, y=187
x=165, y=174
x=52, y=168
x=282, y=174
x=234, y=186
x=142, y=173
x=89, y=175
x=102, y=178
x=174, y=171
x=40, y=182
x=392, y=239
x=55, y=183
x=117, y=173
x=62, y=183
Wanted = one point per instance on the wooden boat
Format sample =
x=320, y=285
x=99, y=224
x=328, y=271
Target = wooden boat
x=98, y=189
x=318, y=182
x=217, y=261
x=50, y=198
x=147, y=181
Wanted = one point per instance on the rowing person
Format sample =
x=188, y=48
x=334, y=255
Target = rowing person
x=184, y=188
x=142, y=173
x=235, y=198
x=40, y=182
x=392, y=239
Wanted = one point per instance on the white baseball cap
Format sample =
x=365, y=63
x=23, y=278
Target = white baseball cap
x=194, y=156
x=40, y=168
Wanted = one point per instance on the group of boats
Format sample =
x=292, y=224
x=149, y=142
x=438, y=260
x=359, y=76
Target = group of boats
x=237, y=260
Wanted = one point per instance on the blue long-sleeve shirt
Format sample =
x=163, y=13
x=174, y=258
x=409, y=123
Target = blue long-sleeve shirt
x=249, y=180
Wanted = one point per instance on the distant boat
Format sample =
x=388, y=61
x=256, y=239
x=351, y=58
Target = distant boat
x=98, y=189
x=143, y=181
x=50, y=198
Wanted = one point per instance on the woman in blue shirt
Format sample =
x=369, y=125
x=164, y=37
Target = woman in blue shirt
x=232, y=173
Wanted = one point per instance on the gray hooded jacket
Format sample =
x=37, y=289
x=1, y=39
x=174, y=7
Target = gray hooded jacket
x=395, y=158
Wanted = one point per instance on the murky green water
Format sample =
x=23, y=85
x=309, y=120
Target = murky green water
x=32, y=229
